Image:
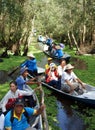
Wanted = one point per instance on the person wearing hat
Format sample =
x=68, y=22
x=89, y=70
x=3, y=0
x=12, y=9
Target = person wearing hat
x=69, y=80
x=52, y=76
x=49, y=60
x=16, y=119
x=31, y=64
x=7, y=102
x=59, y=52
x=23, y=81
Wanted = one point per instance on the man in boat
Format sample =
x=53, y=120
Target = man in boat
x=17, y=119
x=52, y=76
x=8, y=101
x=69, y=80
x=31, y=64
x=59, y=52
x=61, y=67
x=23, y=81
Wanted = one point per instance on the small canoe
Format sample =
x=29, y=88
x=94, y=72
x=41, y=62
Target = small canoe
x=13, y=73
x=65, y=56
x=44, y=48
x=87, y=97
x=41, y=70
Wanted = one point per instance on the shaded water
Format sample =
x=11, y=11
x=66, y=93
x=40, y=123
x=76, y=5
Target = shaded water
x=68, y=118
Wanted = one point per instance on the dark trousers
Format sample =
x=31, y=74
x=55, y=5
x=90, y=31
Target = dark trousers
x=33, y=73
x=56, y=84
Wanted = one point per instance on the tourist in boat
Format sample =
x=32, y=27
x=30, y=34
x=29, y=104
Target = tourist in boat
x=18, y=118
x=61, y=67
x=53, y=50
x=59, y=52
x=23, y=81
x=8, y=101
x=62, y=46
x=49, y=60
x=69, y=80
x=31, y=64
x=49, y=42
x=52, y=76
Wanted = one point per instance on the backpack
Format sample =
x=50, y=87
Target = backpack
x=25, y=114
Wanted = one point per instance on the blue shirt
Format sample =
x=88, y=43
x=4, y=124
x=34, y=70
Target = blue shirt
x=21, y=82
x=59, y=53
x=17, y=124
x=49, y=41
x=31, y=64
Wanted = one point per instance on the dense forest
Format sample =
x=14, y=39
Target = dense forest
x=71, y=22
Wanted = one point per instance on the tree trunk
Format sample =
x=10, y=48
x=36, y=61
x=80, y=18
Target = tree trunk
x=84, y=33
x=84, y=16
x=76, y=44
x=17, y=51
x=69, y=37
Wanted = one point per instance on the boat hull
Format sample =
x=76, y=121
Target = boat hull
x=84, y=98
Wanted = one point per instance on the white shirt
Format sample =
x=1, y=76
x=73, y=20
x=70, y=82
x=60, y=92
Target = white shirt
x=66, y=76
x=2, y=121
x=53, y=76
x=61, y=70
x=11, y=95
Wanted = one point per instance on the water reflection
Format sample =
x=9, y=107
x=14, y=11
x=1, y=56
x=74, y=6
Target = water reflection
x=68, y=118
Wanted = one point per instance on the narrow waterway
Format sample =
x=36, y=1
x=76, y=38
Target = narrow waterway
x=68, y=118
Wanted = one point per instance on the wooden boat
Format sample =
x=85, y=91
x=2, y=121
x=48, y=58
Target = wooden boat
x=35, y=121
x=65, y=56
x=44, y=48
x=41, y=70
x=17, y=69
x=87, y=97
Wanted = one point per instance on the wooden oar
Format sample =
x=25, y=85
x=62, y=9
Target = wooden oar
x=15, y=69
x=44, y=115
x=11, y=72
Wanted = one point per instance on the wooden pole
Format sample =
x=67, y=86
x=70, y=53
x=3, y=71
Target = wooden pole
x=44, y=115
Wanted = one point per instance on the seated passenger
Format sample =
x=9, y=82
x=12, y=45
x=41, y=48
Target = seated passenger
x=62, y=46
x=53, y=50
x=18, y=118
x=31, y=65
x=48, y=64
x=52, y=77
x=23, y=81
x=61, y=67
x=49, y=42
x=69, y=80
x=59, y=53
x=8, y=101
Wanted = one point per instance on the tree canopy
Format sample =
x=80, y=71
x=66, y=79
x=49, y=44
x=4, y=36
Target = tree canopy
x=72, y=22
